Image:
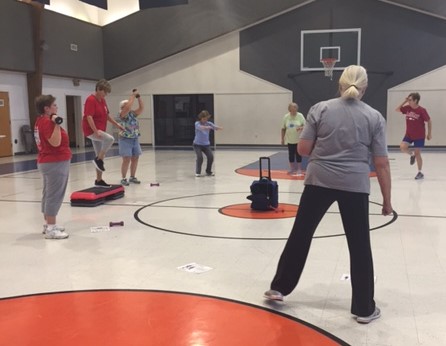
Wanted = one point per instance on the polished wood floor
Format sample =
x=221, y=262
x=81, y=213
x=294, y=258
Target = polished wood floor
x=191, y=261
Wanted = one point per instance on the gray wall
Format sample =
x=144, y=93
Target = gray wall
x=128, y=44
x=16, y=50
x=58, y=31
x=393, y=39
x=151, y=35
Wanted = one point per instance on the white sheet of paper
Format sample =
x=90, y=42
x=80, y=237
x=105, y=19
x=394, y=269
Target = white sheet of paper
x=194, y=268
x=99, y=229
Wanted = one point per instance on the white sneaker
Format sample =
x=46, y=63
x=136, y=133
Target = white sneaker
x=273, y=295
x=364, y=320
x=45, y=227
x=56, y=233
x=198, y=175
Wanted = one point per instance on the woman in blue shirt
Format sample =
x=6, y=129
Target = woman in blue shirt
x=202, y=144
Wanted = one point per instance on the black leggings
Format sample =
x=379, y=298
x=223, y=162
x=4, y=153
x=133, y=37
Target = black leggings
x=293, y=155
x=354, y=210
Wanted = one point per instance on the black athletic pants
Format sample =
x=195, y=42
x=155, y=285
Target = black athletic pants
x=354, y=209
x=293, y=155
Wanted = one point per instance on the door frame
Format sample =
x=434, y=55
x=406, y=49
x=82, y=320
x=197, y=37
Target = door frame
x=77, y=110
x=5, y=130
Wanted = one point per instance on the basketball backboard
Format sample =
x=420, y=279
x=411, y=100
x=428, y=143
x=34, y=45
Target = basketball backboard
x=344, y=45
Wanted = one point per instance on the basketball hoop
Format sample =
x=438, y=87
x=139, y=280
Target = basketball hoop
x=329, y=64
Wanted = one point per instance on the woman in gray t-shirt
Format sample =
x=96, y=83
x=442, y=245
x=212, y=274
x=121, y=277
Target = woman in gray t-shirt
x=339, y=137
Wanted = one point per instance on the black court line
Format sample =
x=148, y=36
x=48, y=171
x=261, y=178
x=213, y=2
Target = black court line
x=215, y=208
x=31, y=165
x=154, y=204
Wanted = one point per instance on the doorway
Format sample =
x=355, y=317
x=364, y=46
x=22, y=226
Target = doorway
x=5, y=126
x=175, y=116
x=74, y=121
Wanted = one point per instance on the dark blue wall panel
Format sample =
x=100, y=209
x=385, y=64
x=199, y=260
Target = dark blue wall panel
x=16, y=50
x=97, y=3
x=151, y=35
x=394, y=39
x=145, y=4
x=59, y=32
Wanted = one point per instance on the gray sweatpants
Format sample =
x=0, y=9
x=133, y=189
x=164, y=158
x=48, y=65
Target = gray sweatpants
x=199, y=150
x=102, y=143
x=55, y=180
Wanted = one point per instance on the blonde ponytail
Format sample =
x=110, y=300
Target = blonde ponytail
x=353, y=82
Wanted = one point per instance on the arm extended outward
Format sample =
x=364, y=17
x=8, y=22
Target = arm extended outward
x=383, y=174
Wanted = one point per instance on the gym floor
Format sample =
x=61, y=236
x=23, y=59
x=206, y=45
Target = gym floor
x=181, y=271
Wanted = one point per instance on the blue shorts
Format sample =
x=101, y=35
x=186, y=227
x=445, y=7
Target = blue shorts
x=129, y=147
x=417, y=143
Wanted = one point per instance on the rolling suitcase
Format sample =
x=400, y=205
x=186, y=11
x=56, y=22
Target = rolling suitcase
x=264, y=192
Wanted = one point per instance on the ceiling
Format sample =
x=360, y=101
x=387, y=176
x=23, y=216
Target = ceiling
x=119, y=8
x=436, y=8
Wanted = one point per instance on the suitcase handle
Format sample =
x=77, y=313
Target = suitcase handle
x=260, y=167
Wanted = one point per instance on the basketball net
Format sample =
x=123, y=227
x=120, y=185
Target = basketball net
x=329, y=64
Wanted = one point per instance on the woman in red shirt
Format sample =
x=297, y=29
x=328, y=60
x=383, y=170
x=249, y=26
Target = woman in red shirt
x=53, y=161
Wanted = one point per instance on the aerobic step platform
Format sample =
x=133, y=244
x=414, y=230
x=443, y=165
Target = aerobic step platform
x=95, y=196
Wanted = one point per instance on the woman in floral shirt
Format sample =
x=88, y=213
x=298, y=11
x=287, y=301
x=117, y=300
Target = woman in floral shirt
x=129, y=147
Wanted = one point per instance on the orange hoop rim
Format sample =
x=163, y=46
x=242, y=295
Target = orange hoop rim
x=329, y=61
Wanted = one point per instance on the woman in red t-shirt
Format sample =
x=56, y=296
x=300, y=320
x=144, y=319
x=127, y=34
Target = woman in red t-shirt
x=53, y=161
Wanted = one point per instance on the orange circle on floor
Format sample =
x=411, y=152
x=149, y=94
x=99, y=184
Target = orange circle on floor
x=118, y=317
x=244, y=211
